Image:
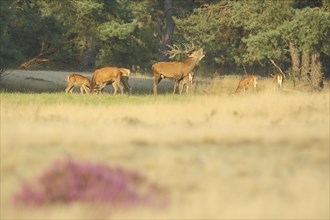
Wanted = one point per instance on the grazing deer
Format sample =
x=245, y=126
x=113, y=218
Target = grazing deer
x=107, y=75
x=185, y=81
x=246, y=82
x=176, y=70
x=278, y=79
x=78, y=80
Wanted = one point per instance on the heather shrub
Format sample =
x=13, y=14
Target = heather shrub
x=68, y=181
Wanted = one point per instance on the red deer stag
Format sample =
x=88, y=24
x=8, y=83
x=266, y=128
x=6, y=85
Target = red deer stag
x=176, y=70
x=110, y=75
x=247, y=82
x=78, y=80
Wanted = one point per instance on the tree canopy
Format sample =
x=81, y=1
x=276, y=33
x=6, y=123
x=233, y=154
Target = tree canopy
x=88, y=34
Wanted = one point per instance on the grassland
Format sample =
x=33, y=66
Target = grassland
x=253, y=156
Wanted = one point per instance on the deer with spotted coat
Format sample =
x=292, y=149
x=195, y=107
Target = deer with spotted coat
x=247, y=82
x=78, y=80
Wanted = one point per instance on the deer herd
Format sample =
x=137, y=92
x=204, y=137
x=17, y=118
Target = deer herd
x=179, y=71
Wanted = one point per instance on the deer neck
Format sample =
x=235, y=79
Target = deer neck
x=189, y=64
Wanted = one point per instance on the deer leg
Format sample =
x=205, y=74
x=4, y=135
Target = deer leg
x=181, y=85
x=115, y=88
x=157, y=79
x=85, y=88
x=68, y=88
x=176, y=84
x=155, y=89
x=127, y=87
x=71, y=90
x=101, y=87
x=115, y=85
x=189, y=84
x=95, y=89
x=121, y=87
x=280, y=82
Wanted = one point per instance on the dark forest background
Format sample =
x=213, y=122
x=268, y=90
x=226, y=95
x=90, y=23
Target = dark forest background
x=239, y=37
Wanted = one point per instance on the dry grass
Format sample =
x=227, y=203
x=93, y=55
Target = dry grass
x=253, y=156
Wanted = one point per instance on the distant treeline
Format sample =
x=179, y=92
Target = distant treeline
x=238, y=36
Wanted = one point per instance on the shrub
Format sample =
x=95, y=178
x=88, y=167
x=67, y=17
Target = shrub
x=68, y=181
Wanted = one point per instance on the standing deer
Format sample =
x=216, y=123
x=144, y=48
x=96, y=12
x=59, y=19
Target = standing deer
x=247, y=82
x=185, y=81
x=78, y=80
x=176, y=70
x=107, y=75
x=278, y=79
x=279, y=76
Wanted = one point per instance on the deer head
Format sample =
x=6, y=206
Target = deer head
x=197, y=54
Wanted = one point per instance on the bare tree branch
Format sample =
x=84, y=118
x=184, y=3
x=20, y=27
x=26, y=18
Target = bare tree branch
x=38, y=58
x=273, y=62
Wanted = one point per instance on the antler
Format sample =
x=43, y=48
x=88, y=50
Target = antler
x=189, y=47
x=175, y=49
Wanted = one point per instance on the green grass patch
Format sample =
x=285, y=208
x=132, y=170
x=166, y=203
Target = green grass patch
x=83, y=99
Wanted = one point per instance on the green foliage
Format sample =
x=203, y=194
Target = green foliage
x=212, y=28
x=10, y=54
x=309, y=29
x=263, y=45
x=114, y=29
x=28, y=34
x=127, y=38
x=261, y=20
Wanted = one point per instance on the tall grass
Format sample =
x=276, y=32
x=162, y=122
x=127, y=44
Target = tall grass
x=262, y=155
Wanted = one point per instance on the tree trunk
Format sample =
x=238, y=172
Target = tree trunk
x=316, y=72
x=305, y=79
x=88, y=55
x=295, y=59
x=166, y=36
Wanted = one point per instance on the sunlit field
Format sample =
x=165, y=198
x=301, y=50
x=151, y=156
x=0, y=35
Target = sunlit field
x=218, y=155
